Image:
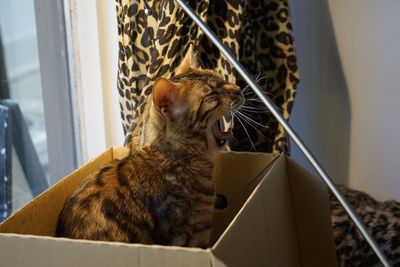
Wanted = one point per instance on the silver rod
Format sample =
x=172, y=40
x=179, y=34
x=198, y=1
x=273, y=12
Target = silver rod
x=361, y=227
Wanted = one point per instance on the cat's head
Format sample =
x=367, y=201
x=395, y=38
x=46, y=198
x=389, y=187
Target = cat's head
x=191, y=103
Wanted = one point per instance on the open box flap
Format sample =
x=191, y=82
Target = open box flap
x=263, y=233
x=237, y=174
x=313, y=225
x=62, y=252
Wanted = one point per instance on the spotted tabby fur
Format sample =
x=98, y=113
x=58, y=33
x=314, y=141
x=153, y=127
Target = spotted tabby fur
x=163, y=192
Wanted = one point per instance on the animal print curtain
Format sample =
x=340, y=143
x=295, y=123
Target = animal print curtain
x=154, y=36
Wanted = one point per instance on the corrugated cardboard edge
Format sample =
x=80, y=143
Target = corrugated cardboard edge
x=62, y=252
x=255, y=181
x=243, y=243
x=119, y=152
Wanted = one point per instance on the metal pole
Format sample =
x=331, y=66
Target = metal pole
x=361, y=227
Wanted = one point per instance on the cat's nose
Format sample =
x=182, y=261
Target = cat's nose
x=236, y=96
x=231, y=87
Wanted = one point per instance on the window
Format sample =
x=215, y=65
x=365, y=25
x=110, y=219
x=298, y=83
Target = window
x=58, y=66
x=38, y=144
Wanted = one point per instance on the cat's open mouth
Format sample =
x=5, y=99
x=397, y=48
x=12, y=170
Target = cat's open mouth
x=221, y=136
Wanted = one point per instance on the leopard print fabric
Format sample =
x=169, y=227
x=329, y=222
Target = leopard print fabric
x=258, y=33
x=382, y=220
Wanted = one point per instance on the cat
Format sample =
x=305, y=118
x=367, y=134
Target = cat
x=163, y=192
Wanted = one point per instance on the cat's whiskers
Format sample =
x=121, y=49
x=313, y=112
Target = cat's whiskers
x=258, y=75
x=247, y=133
x=250, y=119
x=258, y=79
x=254, y=110
x=246, y=108
x=256, y=100
x=251, y=125
x=252, y=107
x=255, y=106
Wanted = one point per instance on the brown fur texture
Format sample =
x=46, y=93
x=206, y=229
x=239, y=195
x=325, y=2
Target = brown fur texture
x=163, y=192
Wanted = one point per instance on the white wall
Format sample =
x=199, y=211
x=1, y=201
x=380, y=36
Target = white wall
x=321, y=113
x=347, y=108
x=368, y=34
x=95, y=57
x=108, y=33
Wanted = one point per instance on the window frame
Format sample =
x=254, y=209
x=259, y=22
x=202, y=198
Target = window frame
x=94, y=50
x=58, y=98
x=78, y=54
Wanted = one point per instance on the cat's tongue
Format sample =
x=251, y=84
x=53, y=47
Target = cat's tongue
x=221, y=136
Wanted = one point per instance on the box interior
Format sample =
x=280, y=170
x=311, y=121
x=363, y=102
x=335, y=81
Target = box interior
x=236, y=176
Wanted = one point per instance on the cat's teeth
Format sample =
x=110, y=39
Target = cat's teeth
x=220, y=135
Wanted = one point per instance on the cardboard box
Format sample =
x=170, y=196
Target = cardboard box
x=277, y=215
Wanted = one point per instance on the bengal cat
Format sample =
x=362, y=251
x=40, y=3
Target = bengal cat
x=163, y=192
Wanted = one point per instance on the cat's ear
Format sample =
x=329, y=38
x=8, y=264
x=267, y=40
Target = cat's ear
x=165, y=97
x=188, y=62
